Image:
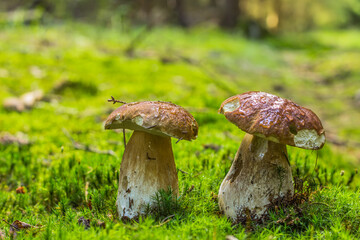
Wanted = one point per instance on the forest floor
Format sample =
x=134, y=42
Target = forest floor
x=58, y=164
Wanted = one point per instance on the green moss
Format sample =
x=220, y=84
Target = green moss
x=197, y=69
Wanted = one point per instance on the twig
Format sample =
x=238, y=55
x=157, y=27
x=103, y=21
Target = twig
x=183, y=171
x=179, y=140
x=14, y=226
x=124, y=136
x=113, y=100
x=163, y=223
x=171, y=216
x=190, y=189
x=165, y=220
x=80, y=146
x=196, y=175
x=320, y=203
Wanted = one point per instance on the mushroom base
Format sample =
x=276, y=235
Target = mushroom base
x=259, y=174
x=147, y=166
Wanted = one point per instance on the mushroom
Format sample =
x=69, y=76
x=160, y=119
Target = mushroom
x=148, y=162
x=261, y=171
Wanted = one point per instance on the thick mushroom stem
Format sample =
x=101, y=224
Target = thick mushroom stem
x=147, y=166
x=260, y=173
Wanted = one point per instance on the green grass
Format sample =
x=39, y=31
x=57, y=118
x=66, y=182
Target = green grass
x=197, y=69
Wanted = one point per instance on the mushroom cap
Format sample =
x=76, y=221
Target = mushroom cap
x=159, y=118
x=277, y=119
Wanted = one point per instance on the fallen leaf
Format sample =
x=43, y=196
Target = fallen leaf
x=25, y=101
x=89, y=203
x=214, y=196
x=84, y=222
x=190, y=189
x=230, y=237
x=17, y=226
x=29, y=99
x=20, y=190
x=101, y=224
x=2, y=235
x=13, y=104
x=36, y=72
x=9, y=139
x=214, y=147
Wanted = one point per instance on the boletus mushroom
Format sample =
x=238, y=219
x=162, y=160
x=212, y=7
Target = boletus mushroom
x=148, y=162
x=261, y=171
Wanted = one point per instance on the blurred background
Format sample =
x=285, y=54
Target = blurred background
x=256, y=18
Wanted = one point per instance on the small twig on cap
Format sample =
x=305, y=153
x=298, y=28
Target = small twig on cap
x=179, y=140
x=113, y=100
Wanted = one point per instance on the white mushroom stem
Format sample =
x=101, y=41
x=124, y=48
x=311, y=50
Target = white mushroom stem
x=260, y=173
x=147, y=166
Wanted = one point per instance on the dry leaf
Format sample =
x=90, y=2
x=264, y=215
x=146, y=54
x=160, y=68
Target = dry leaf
x=17, y=226
x=84, y=222
x=89, y=204
x=230, y=237
x=20, y=190
x=101, y=224
x=2, y=235
x=14, y=104
x=29, y=99
x=20, y=139
x=36, y=72
x=212, y=146
x=25, y=101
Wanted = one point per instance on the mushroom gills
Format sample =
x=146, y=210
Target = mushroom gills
x=230, y=106
x=309, y=139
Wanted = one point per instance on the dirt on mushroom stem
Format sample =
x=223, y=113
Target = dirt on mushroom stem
x=260, y=172
x=147, y=166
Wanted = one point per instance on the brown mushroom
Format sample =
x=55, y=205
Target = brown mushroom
x=148, y=162
x=261, y=171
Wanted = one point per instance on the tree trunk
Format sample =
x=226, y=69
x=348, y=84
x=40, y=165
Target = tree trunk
x=180, y=13
x=230, y=14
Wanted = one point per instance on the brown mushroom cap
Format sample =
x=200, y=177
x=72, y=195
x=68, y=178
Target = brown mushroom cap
x=274, y=118
x=159, y=118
